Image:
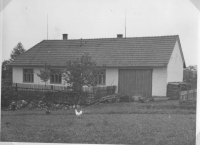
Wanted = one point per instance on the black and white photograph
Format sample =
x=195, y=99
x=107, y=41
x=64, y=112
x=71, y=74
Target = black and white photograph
x=99, y=72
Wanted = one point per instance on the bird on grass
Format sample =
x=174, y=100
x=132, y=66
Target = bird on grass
x=78, y=113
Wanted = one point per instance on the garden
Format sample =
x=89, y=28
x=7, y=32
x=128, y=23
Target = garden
x=156, y=122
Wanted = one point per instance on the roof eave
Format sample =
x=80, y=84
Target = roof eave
x=184, y=64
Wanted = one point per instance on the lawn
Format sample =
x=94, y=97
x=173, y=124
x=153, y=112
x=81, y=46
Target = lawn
x=150, y=123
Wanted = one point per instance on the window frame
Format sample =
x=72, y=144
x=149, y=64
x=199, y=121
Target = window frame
x=101, y=74
x=24, y=78
x=59, y=78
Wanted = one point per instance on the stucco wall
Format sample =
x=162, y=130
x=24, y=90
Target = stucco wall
x=175, y=66
x=112, y=77
x=18, y=76
x=159, y=81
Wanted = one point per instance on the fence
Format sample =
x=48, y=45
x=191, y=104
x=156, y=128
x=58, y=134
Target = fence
x=61, y=93
x=39, y=87
x=173, y=89
x=188, y=97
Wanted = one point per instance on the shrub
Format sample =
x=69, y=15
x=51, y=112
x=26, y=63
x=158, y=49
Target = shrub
x=124, y=98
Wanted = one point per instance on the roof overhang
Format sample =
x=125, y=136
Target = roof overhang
x=179, y=43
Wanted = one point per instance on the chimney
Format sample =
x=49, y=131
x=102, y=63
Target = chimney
x=119, y=35
x=65, y=36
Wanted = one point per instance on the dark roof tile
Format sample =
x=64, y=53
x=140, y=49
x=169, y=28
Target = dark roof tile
x=136, y=51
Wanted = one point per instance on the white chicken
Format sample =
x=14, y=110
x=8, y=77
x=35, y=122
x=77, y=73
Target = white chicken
x=78, y=114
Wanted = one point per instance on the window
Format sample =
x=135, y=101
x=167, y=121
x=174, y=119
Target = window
x=28, y=75
x=55, y=77
x=101, y=77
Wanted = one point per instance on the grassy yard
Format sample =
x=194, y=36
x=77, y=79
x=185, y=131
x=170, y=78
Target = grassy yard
x=154, y=123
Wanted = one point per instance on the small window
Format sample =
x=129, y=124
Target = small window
x=101, y=77
x=28, y=75
x=55, y=77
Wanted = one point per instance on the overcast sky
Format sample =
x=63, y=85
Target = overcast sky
x=25, y=21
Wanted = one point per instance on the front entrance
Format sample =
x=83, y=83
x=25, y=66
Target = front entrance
x=135, y=81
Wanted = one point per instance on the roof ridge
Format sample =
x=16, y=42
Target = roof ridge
x=111, y=38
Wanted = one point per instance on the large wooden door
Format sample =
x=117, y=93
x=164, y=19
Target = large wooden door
x=135, y=81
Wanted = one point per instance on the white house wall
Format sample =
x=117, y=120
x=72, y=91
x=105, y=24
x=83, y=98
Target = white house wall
x=159, y=81
x=112, y=77
x=175, y=66
x=18, y=76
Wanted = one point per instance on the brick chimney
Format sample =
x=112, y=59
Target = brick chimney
x=119, y=35
x=65, y=36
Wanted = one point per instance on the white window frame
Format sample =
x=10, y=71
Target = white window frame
x=28, y=77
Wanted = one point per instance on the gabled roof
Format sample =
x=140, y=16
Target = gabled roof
x=111, y=52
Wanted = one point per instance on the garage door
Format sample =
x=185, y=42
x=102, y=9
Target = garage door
x=133, y=82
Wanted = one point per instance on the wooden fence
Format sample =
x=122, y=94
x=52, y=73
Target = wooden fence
x=39, y=87
x=61, y=92
x=188, y=97
x=20, y=86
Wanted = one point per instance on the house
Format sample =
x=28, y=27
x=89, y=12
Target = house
x=134, y=65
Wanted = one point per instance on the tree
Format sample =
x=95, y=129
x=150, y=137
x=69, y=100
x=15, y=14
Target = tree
x=6, y=70
x=190, y=75
x=17, y=50
x=77, y=73
x=45, y=73
x=80, y=72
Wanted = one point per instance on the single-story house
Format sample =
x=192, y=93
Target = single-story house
x=133, y=64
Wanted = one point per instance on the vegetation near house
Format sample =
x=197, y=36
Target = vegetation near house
x=7, y=70
x=80, y=72
x=77, y=73
x=44, y=74
x=6, y=75
x=17, y=50
x=190, y=75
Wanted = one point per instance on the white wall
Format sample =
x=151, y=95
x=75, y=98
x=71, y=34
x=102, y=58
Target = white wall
x=112, y=77
x=175, y=66
x=159, y=81
x=18, y=76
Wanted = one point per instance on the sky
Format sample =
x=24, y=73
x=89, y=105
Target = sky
x=25, y=21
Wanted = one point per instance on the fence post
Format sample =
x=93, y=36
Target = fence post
x=16, y=87
x=187, y=93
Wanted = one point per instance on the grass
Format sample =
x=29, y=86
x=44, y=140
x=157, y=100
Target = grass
x=153, y=123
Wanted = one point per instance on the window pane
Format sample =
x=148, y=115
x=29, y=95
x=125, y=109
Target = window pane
x=56, y=80
x=31, y=78
x=52, y=78
x=59, y=78
x=27, y=77
x=104, y=80
x=100, y=79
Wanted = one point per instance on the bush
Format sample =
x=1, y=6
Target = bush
x=7, y=95
x=124, y=98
